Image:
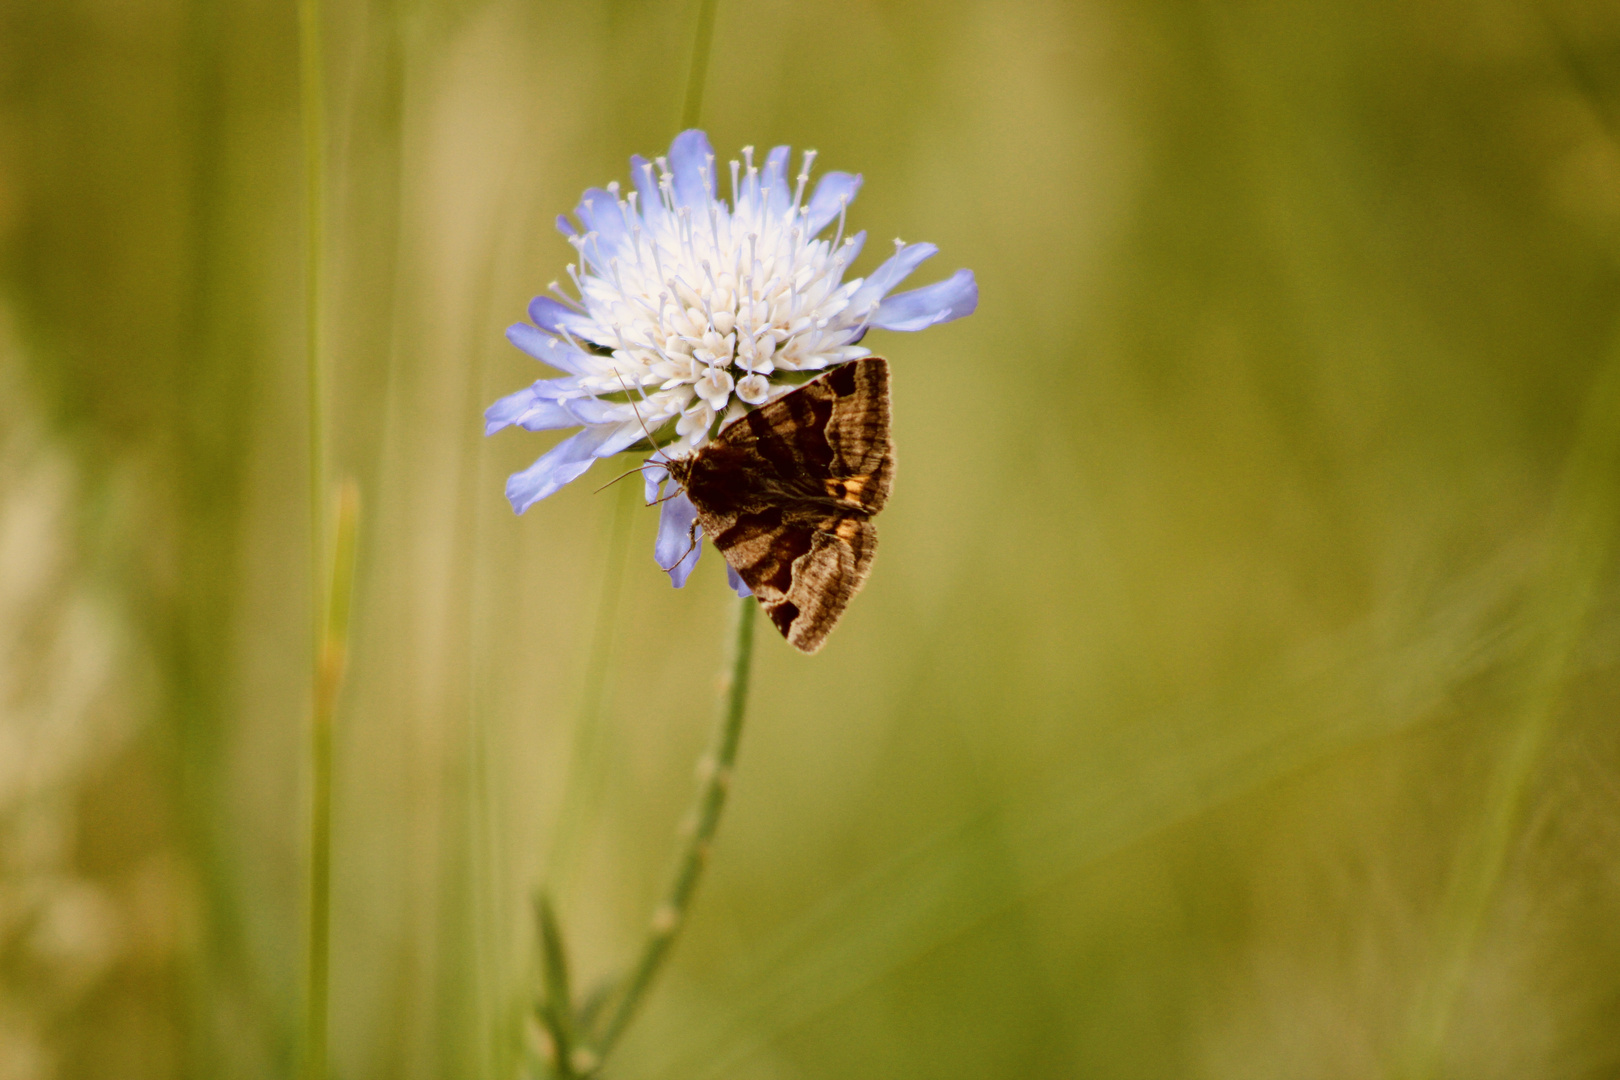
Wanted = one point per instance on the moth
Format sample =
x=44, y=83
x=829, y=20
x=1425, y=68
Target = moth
x=788, y=492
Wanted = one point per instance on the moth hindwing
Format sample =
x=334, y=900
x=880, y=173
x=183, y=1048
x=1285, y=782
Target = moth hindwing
x=788, y=491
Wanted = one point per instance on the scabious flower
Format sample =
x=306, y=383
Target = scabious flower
x=692, y=310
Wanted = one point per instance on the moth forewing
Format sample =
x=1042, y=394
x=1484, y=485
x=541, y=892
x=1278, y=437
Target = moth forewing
x=787, y=493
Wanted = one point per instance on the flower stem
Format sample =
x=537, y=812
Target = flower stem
x=331, y=615
x=705, y=819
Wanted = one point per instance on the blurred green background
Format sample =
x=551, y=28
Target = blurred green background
x=1235, y=693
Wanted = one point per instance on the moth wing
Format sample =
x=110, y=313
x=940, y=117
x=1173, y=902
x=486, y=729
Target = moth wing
x=857, y=432
x=824, y=579
x=803, y=570
x=786, y=493
x=830, y=437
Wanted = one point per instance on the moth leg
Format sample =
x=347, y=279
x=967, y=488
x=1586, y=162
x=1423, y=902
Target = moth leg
x=691, y=535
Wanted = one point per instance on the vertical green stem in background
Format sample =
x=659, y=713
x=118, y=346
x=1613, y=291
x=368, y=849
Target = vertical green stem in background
x=327, y=667
x=584, y=776
x=698, y=73
x=313, y=108
x=331, y=658
x=557, y=1008
x=705, y=819
x=1582, y=535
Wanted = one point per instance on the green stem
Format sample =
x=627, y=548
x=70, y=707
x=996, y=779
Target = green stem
x=332, y=657
x=327, y=667
x=694, y=853
x=557, y=1010
x=313, y=108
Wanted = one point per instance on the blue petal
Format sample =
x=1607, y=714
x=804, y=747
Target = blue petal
x=836, y=190
x=674, y=549
x=555, y=317
x=777, y=196
x=737, y=583
x=619, y=438
x=529, y=407
x=893, y=271
x=565, y=226
x=542, y=346
x=942, y=301
x=593, y=410
x=598, y=211
x=556, y=467
x=645, y=177
x=691, y=159
x=562, y=389
x=652, y=478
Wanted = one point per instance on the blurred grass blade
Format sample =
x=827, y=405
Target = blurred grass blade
x=582, y=784
x=697, y=73
x=340, y=593
x=312, y=109
x=331, y=661
x=1582, y=542
x=328, y=658
x=557, y=1009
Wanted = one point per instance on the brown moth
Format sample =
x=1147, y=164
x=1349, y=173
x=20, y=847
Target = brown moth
x=788, y=491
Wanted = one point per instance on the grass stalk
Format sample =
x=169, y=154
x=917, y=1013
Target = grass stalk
x=332, y=615
x=312, y=106
x=583, y=785
x=333, y=658
x=557, y=1010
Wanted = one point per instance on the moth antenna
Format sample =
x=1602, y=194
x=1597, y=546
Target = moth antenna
x=631, y=398
x=626, y=473
x=660, y=462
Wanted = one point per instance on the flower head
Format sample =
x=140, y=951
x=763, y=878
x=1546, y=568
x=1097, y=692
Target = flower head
x=693, y=309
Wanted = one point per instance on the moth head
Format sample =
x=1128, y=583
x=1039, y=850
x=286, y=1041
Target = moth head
x=680, y=468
